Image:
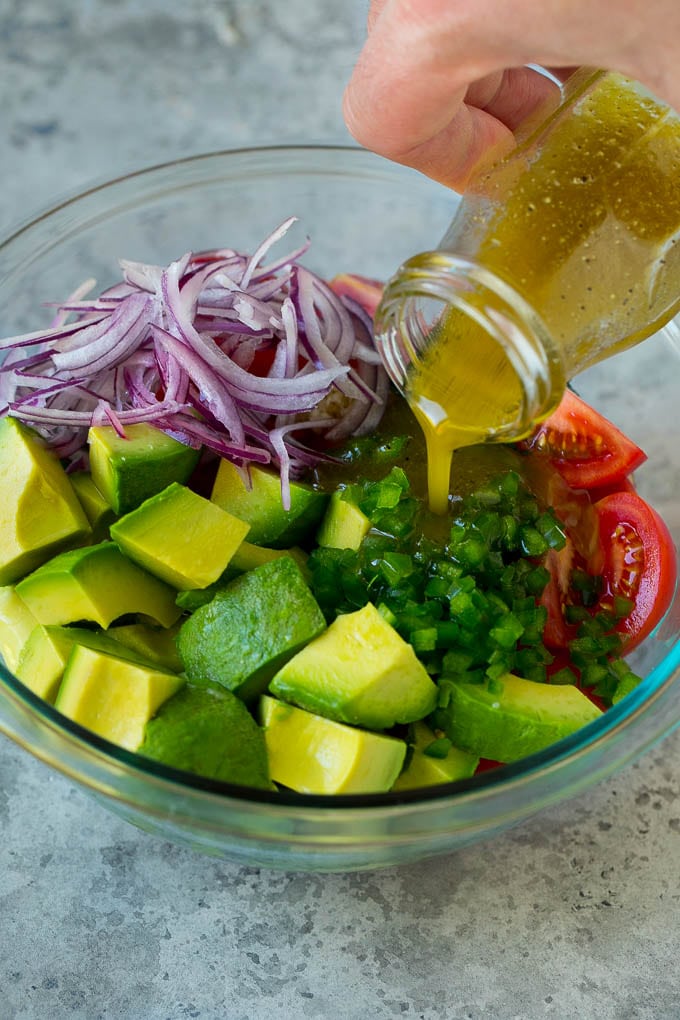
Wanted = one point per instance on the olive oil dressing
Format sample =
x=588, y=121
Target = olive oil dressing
x=561, y=254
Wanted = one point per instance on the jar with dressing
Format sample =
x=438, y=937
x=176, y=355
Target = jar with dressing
x=562, y=253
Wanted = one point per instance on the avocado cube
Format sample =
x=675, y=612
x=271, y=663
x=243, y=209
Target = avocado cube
x=209, y=731
x=129, y=470
x=180, y=537
x=513, y=717
x=43, y=658
x=97, y=510
x=96, y=583
x=250, y=629
x=344, y=525
x=156, y=645
x=359, y=671
x=16, y=624
x=260, y=505
x=41, y=664
x=39, y=511
x=246, y=557
x=113, y=697
x=424, y=770
x=311, y=754
x=190, y=601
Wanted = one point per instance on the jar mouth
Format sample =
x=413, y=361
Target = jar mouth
x=430, y=285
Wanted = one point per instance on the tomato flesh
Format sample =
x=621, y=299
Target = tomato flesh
x=621, y=485
x=640, y=562
x=557, y=633
x=364, y=291
x=587, y=449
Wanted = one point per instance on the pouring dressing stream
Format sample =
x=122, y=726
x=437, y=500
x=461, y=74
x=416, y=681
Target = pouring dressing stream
x=561, y=254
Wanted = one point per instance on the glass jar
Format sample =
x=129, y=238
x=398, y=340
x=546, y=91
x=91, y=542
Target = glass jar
x=561, y=254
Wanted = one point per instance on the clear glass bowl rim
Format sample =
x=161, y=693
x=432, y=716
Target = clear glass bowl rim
x=491, y=799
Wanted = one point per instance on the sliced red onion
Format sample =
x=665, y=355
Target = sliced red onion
x=74, y=299
x=263, y=248
x=277, y=438
x=217, y=349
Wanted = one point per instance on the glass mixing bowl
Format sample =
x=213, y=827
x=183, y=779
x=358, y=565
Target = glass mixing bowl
x=363, y=215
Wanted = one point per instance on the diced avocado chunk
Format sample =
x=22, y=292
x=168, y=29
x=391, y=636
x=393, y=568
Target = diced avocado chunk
x=261, y=506
x=98, y=512
x=129, y=470
x=16, y=623
x=43, y=658
x=113, y=697
x=426, y=770
x=311, y=754
x=41, y=664
x=96, y=583
x=180, y=537
x=190, y=601
x=209, y=731
x=512, y=718
x=359, y=671
x=344, y=525
x=250, y=629
x=156, y=645
x=39, y=511
x=247, y=557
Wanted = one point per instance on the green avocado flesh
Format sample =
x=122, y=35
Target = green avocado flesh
x=358, y=671
x=261, y=505
x=44, y=655
x=209, y=731
x=112, y=696
x=180, y=537
x=427, y=770
x=129, y=470
x=96, y=583
x=513, y=717
x=98, y=512
x=344, y=525
x=39, y=510
x=250, y=628
x=311, y=754
x=152, y=644
x=16, y=624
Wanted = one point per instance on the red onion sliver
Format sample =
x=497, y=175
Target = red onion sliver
x=213, y=348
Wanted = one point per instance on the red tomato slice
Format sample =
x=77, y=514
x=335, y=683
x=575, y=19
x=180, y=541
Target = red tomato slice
x=363, y=290
x=622, y=485
x=557, y=632
x=486, y=765
x=640, y=561
x=573, y=507
x=587, y=449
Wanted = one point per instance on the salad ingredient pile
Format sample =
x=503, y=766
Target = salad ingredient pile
x=216, y=350
x=287, y=616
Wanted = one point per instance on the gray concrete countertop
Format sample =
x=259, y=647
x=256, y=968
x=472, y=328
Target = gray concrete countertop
x=572, y=914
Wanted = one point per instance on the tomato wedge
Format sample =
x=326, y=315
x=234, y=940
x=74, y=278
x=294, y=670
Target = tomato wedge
x=622, y=485
x=557, y=633
x=640, y=561
x=364, y=291
x=587, y=449
x=573, y=507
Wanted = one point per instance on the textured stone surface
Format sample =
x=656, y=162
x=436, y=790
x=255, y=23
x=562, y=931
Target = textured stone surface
x=572, y=914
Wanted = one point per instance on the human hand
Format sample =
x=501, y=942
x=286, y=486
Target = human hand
x=440, y=84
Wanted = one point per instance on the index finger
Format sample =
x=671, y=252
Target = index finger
x=412, y=103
